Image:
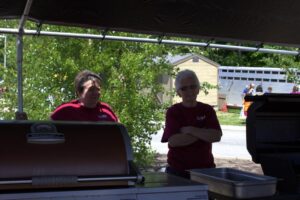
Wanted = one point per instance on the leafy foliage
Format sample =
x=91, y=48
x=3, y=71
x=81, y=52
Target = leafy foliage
x=129, y=71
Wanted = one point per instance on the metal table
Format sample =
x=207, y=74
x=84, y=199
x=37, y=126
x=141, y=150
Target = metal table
x=157, y=186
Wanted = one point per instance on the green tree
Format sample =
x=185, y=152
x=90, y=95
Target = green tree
x=130, y=75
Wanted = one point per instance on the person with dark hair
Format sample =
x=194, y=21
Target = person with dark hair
x=269, y=90
x=87, y=107
x=190, y=128
x=259, y=90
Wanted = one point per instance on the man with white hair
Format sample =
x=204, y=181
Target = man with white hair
x=190, y=129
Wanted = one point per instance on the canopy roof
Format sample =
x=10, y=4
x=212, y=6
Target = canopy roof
x=260, y=21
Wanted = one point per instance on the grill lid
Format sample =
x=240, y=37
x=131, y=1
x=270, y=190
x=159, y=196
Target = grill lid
x=65, y=154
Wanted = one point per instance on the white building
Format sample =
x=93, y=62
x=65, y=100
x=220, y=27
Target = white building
x=232, y=81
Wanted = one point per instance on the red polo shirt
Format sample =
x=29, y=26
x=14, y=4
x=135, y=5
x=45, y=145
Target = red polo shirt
x=74, y=111
x=198, y=154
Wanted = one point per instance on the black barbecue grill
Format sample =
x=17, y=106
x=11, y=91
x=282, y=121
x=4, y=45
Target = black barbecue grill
x=39, y=155
x=273, y=138
x=45, y=160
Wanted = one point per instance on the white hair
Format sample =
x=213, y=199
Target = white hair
x=185, y=74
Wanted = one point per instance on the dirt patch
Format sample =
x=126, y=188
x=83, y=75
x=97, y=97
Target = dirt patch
x=240, y=164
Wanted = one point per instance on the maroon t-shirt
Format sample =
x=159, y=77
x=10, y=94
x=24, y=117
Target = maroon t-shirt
x=199, y=153
x=74, y=111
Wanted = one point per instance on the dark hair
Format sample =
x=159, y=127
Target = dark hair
x=259, y=88
x=83, y=77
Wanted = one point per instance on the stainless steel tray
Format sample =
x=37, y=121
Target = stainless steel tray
x=235, y=183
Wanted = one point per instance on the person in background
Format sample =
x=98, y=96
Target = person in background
x=87, y=107
x=246, y=104
x=295, y=90
x=269, y=90
x=251, y=90
x=245, y=91
x=190, y=128
x=259, y=90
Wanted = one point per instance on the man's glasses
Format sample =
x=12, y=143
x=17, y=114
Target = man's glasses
x=191, y=87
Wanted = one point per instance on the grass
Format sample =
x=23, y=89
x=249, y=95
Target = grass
x=231, y=117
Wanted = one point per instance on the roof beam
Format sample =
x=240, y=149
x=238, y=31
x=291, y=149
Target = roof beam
x=25, y=14
x=20, y=53
x=151, y=40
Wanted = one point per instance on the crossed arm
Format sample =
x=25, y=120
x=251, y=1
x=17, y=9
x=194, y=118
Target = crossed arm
x=190, y=134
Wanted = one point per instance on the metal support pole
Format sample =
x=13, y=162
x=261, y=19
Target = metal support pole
x=19, y=63
x=20, y=53
x=150, y=40
x=5, y=46
x=4, y=52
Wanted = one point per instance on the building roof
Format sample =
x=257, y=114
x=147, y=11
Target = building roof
x=178, y=59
